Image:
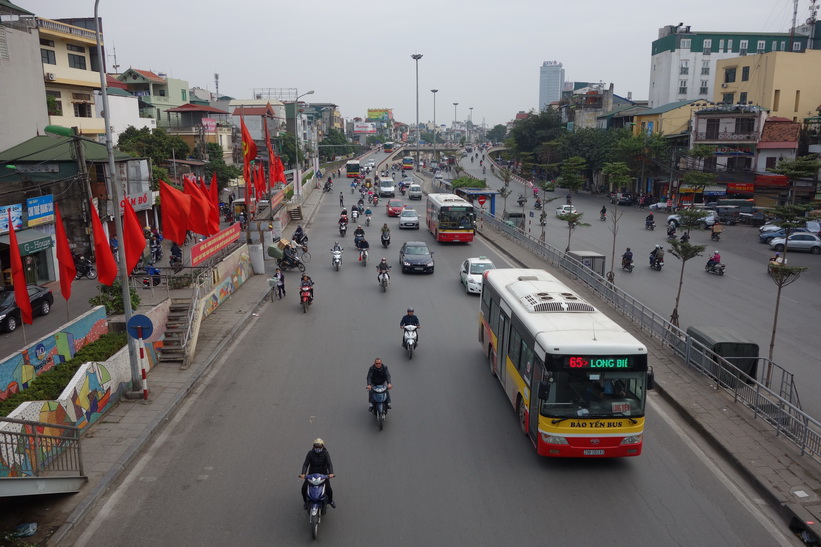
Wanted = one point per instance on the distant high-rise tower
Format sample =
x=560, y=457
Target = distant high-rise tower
x=551, y=81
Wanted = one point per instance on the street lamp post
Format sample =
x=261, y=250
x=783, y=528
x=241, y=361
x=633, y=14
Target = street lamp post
x=454, y=121
x=297, y=170
x=434, y=91
x=416, y=57
x=470, y=119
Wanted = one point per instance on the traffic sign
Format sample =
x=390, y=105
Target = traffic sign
x=139, y=326
x=481, y=200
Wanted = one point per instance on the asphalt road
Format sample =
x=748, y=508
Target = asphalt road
x=450, y=468
x=743, y=299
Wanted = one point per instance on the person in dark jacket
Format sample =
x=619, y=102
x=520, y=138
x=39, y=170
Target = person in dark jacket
x=318, y=460
x=378, y=374
x=410, y=319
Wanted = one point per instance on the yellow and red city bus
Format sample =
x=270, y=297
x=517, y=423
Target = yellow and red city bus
x=388, y=147
x=353, y=169
x=577, y=379
x=407, y=162
x=450, y=218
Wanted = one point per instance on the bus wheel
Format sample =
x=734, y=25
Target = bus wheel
x=522, y=416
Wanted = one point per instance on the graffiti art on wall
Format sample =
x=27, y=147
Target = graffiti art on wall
x=19, y=369
x=240, y=273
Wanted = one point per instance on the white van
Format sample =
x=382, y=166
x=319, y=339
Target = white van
x=387, y=188
x=415, y=192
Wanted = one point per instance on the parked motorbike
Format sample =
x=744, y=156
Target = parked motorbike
x=336, y=258
x=305, y=297
x=409, y=339
x=715, y=236
x=386, y=239
x=85, y=268
x=380, y=404
x=650, y=225
x=152, y=276
x=363, y=256
x=717, y=269
x=288, y=263
x=156, y=252
x=317, y=501
x=176, y=263
x=343, y=228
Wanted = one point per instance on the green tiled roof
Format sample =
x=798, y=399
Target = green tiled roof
x=51, y=148
x=668, y=107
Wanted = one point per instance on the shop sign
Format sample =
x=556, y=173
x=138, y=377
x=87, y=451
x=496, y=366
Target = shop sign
x=36, y=245
x=747, y=187
x=772, y=180
x=140, y=202
x=734, y=150
x=40, y=210
x=16, y=210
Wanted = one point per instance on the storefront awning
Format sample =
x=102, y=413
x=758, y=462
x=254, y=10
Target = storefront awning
x=30, y=241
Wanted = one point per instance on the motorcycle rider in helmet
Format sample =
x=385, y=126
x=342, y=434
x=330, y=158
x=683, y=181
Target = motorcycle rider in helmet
x=649, y=219
x=378, y=374
x=410, y=319
x=627, y=257
x=656, y=255
x=383, y=267
x=713, y=260
x=318, y=460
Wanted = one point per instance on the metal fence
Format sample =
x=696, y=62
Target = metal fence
x=774, y=400
x=33, y=453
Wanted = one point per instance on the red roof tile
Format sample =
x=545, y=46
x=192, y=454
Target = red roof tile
x=112, y=81
x=148, y=74
x=776, y=130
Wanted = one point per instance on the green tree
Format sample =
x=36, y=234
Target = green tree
x=467, y=182
x=157, y=145
x=618, y=175
x=506, y=175
x=497, y=134
x=594, y=145
x=805, y=167
x=112, y=298
x=646, y=154
x=334, y=144
x=574, y=220
x=700, y=153
x=684, y=251
x=571, y=177
x=527, y=134
x=216, y=164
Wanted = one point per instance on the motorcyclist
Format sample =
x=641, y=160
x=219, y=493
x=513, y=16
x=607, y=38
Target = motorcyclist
x=657, y=255
x=713, y=260
x=318, y=460
x=538, y=203
x=685, y=237
x=363, y=247
x=306, y=281
x=627, y=257
x=343, y=218
x=383, y=267
x=358, y=235
x=410, y=319
x=603, y=211
x=649, y=219
x=337, y=247
x=290, y=255
x=378, y=374
x=299, y=234
x=777, y=259
x=176, y=252
x=671, y=230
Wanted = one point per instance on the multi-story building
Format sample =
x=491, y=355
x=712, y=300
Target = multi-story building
x=22, y=81
x=124, y=110
x=683, y=62
x=786, y=83
x=157, y=93
x=670, y=119
x=584, y=107
x=551, y=83
x=199, y=125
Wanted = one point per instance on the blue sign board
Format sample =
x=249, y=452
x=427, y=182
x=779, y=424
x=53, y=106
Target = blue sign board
x=40, y=210
x=140, y=326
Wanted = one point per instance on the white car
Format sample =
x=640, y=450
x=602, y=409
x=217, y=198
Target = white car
x=798, y=242
x=371, y=162
x=470, y=274
x=439, y=175
x=564, y=210
x=657, y=206
x=708, y=220
x=408, y=218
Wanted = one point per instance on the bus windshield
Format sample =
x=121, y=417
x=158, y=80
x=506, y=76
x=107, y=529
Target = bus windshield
x=584, y=393
x=456, y=217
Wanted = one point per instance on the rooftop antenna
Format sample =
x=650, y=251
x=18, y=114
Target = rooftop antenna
x=217, y=84
x=794, y=19
x=115, y=66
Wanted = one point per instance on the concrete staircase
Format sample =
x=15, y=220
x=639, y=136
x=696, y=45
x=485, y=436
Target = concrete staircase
x=296, y=213
x=175, y=331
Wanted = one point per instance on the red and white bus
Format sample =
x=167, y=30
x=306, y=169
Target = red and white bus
x=450, y=218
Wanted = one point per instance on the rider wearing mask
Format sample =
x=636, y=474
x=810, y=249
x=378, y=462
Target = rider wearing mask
x=318, y=460
x=383, y=267
x=299, y=234
x=363, y=246
x=378, y=374
x=410, y=319
x=306, y=281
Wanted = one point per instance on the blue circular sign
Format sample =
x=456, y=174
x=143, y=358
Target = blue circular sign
x=139, y=326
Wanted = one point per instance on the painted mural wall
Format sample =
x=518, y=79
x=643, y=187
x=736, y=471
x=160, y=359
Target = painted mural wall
x=20, y=368
x=232, y=273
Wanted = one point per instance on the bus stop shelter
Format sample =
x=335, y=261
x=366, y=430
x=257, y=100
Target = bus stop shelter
x=472, y=195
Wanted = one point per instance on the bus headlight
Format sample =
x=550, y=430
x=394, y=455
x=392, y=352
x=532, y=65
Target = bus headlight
x=553, y=439
x=632, y=439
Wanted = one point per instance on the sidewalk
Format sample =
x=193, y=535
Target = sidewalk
x=786, y=480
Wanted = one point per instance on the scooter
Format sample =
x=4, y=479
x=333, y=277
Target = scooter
x=363, y=256
x=343, y=228
x=354, y=215
x=537, y=205
x=657, y=264
x=316, y=501
x=176, y=263
x=603, y=216
x=287, y=263
x=85, y=268
x=386, y=239
x=305, y=297
x=409, y=339
x=715, y=236
x=375, y=200
x=650, y=225
x=626, y=264
x=336, y=258
x=380, y=404
x=384, y=280
x=367, y=220
x=717, y=269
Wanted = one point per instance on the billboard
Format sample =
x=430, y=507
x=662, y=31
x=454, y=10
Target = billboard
x=380, y=114
x=40, y=209
x=361, y=128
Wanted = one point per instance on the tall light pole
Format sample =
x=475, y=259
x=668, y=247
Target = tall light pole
x=470, y=119
x=297, y=170
x=434, y=91
x=416, y=57
x=454, y=121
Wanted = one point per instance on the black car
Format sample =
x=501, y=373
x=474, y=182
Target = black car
x=414, y=256
x=41, y=301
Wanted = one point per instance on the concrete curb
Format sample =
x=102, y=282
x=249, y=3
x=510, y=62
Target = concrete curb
x=122, y=464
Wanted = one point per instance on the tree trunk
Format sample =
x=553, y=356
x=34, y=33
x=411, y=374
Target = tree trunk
x=674, y=316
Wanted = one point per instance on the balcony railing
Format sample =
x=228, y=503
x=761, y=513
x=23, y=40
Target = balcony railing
x=57, y=26
x=725, y=136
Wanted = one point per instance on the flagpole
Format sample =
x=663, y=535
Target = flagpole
x=114, y=192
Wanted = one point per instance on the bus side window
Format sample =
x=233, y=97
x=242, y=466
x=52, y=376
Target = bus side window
x=515, y=346
x=525, y=364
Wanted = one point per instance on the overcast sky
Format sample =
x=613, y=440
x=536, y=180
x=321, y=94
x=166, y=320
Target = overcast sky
x=357, y=53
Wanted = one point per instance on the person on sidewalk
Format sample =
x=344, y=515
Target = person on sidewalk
x=280, y=280
x=115, y=247
x=318, y=460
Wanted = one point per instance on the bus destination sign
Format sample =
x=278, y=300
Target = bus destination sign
x=594, y=362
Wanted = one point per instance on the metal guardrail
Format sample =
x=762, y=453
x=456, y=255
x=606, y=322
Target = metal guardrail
x=33, y=454
x=780, y=409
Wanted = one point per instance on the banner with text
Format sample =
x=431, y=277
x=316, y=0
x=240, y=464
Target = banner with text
x=204, y=250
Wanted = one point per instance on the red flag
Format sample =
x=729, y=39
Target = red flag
x=249, y=149
x=281, y=171
x=271, y=156
x=106, y=266
x=215, y=205
x=176, y=206
x=260, y=182
x=64, y=257
x=200, y=210
x=201, y=185
x=133, y=237
x=18, y=276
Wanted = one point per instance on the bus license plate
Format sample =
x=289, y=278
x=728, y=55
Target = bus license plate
x=594, y=452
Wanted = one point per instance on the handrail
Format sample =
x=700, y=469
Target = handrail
x=32, y=453
x=781, y=410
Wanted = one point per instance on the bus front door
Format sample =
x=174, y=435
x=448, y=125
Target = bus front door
x=501, y=345
x=533, y=427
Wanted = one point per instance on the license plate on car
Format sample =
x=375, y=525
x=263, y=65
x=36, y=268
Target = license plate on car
x=594, y=452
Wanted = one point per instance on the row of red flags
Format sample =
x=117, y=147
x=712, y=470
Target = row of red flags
x=256, y=181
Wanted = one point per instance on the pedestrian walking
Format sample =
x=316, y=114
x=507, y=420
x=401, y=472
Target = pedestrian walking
x=280, y=277
x=341, y=199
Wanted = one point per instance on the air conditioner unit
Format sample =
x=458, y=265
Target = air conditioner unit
x=50, y=76
x=723, y=85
